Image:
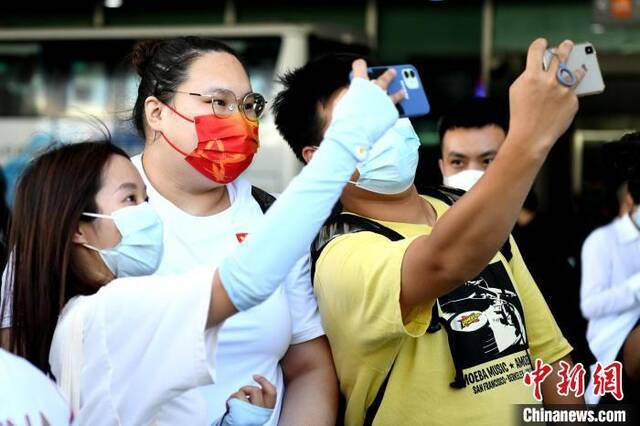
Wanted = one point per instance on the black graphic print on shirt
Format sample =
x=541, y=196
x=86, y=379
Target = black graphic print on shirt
x=484, y=321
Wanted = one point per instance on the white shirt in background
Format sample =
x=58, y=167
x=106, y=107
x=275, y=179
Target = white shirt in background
x=28, y=397
x=250, y=342
x=143, y=344
x=610, y=289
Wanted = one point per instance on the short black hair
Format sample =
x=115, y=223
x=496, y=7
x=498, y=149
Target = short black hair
x=474, y=113
x=304, y=89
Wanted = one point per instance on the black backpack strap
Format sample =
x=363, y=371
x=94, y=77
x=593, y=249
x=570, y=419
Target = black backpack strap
x=506, y=250
x=342, y=224
x=445, y=194
x=434, y=324
x=263, y=198
x=372, y=410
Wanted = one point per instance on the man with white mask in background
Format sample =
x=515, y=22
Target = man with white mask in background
x=470, y=136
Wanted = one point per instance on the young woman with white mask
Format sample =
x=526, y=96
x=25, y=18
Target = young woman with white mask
x=193, y=91
x=124, y=349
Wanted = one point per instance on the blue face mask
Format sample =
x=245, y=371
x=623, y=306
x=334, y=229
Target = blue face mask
x=140, y=250
x=635, y=217
x=390, y=167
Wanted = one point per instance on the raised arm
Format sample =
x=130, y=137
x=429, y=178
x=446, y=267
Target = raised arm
x=250, y=274
x=467, y=237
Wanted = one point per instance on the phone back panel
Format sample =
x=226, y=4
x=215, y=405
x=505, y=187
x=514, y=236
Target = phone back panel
x=584, y=56
x=415, y=102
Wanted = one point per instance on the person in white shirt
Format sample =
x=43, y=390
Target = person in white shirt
x=28, y=397
x=124, y=345
x=207, y=210
x=610, y=295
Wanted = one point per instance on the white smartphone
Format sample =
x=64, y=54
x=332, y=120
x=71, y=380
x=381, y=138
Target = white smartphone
x=583, y=56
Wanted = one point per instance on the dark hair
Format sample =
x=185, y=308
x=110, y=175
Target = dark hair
x=474, y=112
x=621, y=159
x=296, y=106
x=163, y=65
x=52, y=193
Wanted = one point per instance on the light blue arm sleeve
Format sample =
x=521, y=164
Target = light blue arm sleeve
x=261, y=263
x=242, y=413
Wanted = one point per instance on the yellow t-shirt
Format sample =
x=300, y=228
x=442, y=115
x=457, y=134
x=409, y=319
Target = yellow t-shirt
x=490, y=326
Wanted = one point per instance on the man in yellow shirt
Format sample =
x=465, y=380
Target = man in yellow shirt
x=429, y=321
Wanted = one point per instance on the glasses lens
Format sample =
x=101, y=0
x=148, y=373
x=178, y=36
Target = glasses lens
x=223, y=103
x=253, y=106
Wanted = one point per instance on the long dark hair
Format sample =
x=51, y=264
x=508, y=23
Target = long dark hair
x=52, y=193
x=163, y=64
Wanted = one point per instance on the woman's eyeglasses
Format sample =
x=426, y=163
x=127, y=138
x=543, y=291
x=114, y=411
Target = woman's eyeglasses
x=224, y=103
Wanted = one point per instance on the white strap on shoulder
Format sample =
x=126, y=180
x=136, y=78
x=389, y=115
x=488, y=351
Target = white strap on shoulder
x=72, y=360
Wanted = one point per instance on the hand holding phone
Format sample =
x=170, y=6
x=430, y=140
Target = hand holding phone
x=582, y=56
x=415, y=102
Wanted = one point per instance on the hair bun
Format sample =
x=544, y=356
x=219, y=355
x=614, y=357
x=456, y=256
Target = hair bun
x=142, y=53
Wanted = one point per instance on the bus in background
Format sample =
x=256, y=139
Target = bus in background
x=63, y=84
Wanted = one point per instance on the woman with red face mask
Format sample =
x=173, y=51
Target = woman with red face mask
x=199, y=117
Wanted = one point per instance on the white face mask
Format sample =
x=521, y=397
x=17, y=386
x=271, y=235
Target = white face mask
x=464, y=179
x=140, y=250
x=390, y=167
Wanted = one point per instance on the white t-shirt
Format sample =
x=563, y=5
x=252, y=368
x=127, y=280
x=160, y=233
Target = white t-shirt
x=250, y=342
x=28, y=397
x=143, y=344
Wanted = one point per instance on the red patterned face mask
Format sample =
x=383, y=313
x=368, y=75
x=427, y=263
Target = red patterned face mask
x=226, y=146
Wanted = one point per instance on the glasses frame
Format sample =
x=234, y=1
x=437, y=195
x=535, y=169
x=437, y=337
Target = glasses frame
x=233, y=107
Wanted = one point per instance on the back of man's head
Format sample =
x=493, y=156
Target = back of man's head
x=474, y=113
x=296, y=107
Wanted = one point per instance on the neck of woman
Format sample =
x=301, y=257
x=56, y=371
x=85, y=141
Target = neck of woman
x=183, y=186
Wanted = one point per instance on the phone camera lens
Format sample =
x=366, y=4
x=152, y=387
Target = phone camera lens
x=588, y=50
x=412, y=74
